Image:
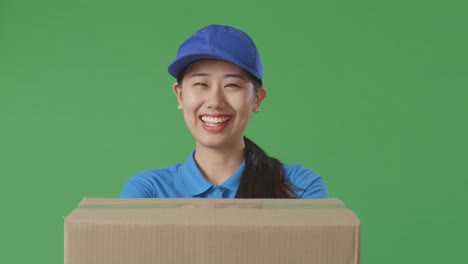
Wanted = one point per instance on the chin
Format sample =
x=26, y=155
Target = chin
x=214, y=142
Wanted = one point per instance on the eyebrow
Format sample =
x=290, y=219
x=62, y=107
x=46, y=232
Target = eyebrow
x=232, y=75
x=198, y=74
x=239, y=76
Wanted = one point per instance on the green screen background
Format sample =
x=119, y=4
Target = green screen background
x=372, y=95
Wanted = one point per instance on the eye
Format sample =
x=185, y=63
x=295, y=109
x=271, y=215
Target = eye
x=232, y=85
x=200, y=84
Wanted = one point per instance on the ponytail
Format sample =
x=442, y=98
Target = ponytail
x=263, y=176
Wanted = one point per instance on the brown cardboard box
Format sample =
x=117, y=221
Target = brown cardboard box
x=209, y=231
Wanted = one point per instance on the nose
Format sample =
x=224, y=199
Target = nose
x=216, y=98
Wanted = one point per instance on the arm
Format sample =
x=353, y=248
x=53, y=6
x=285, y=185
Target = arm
x=316, y=189
x=310, y=183
x=137, y=187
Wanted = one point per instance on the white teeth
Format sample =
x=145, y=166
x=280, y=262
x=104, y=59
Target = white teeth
x=214, y=120
x=211, y=124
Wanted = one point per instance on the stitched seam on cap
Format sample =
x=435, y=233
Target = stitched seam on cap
x=212, y=40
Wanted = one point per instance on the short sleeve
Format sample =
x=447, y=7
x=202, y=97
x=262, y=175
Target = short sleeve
x=309, y=184
x=138, y=186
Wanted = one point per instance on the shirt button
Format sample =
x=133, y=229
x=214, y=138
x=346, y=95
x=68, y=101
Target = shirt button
x=219, y=192
x=223, y=192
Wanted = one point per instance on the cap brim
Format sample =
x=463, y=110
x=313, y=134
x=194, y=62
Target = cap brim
x=177, y=67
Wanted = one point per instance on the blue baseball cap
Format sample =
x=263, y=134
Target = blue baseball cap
x=219, y=42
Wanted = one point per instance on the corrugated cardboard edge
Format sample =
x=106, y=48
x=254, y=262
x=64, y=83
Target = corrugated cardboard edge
x=129, y=201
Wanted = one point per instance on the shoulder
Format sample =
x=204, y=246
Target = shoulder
x=308, y=183
x=150, y=183
x=157, y=176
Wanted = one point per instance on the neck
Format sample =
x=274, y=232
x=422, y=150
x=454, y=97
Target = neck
x=217, y=165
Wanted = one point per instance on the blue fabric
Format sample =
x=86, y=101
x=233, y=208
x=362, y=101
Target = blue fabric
x=186, y=181
x=219, y=42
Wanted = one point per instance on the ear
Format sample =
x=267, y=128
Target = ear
x=178, y=93
x=259, y=96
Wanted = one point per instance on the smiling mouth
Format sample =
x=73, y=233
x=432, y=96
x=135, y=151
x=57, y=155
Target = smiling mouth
x=213, y=121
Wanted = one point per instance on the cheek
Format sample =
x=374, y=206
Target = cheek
x=243, y=105
x=191, y=100
x=192, y=104
x=246, y=103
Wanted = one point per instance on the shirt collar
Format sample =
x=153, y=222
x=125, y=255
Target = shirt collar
x=192, y=178
x=232, y=183
x=196, y=184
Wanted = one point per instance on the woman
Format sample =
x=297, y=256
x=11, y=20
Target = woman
x=219, y=85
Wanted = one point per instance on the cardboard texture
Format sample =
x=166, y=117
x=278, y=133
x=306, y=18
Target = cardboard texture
x=206, y=231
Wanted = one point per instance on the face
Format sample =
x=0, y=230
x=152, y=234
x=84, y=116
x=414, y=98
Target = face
x=217, y=99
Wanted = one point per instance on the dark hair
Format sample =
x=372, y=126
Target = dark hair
x=263, y=176
x=257, y=83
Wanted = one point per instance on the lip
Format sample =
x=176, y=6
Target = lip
x=214, y=115
x=217, y=128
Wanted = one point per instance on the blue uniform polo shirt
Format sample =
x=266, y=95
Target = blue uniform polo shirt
x=186, y=181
